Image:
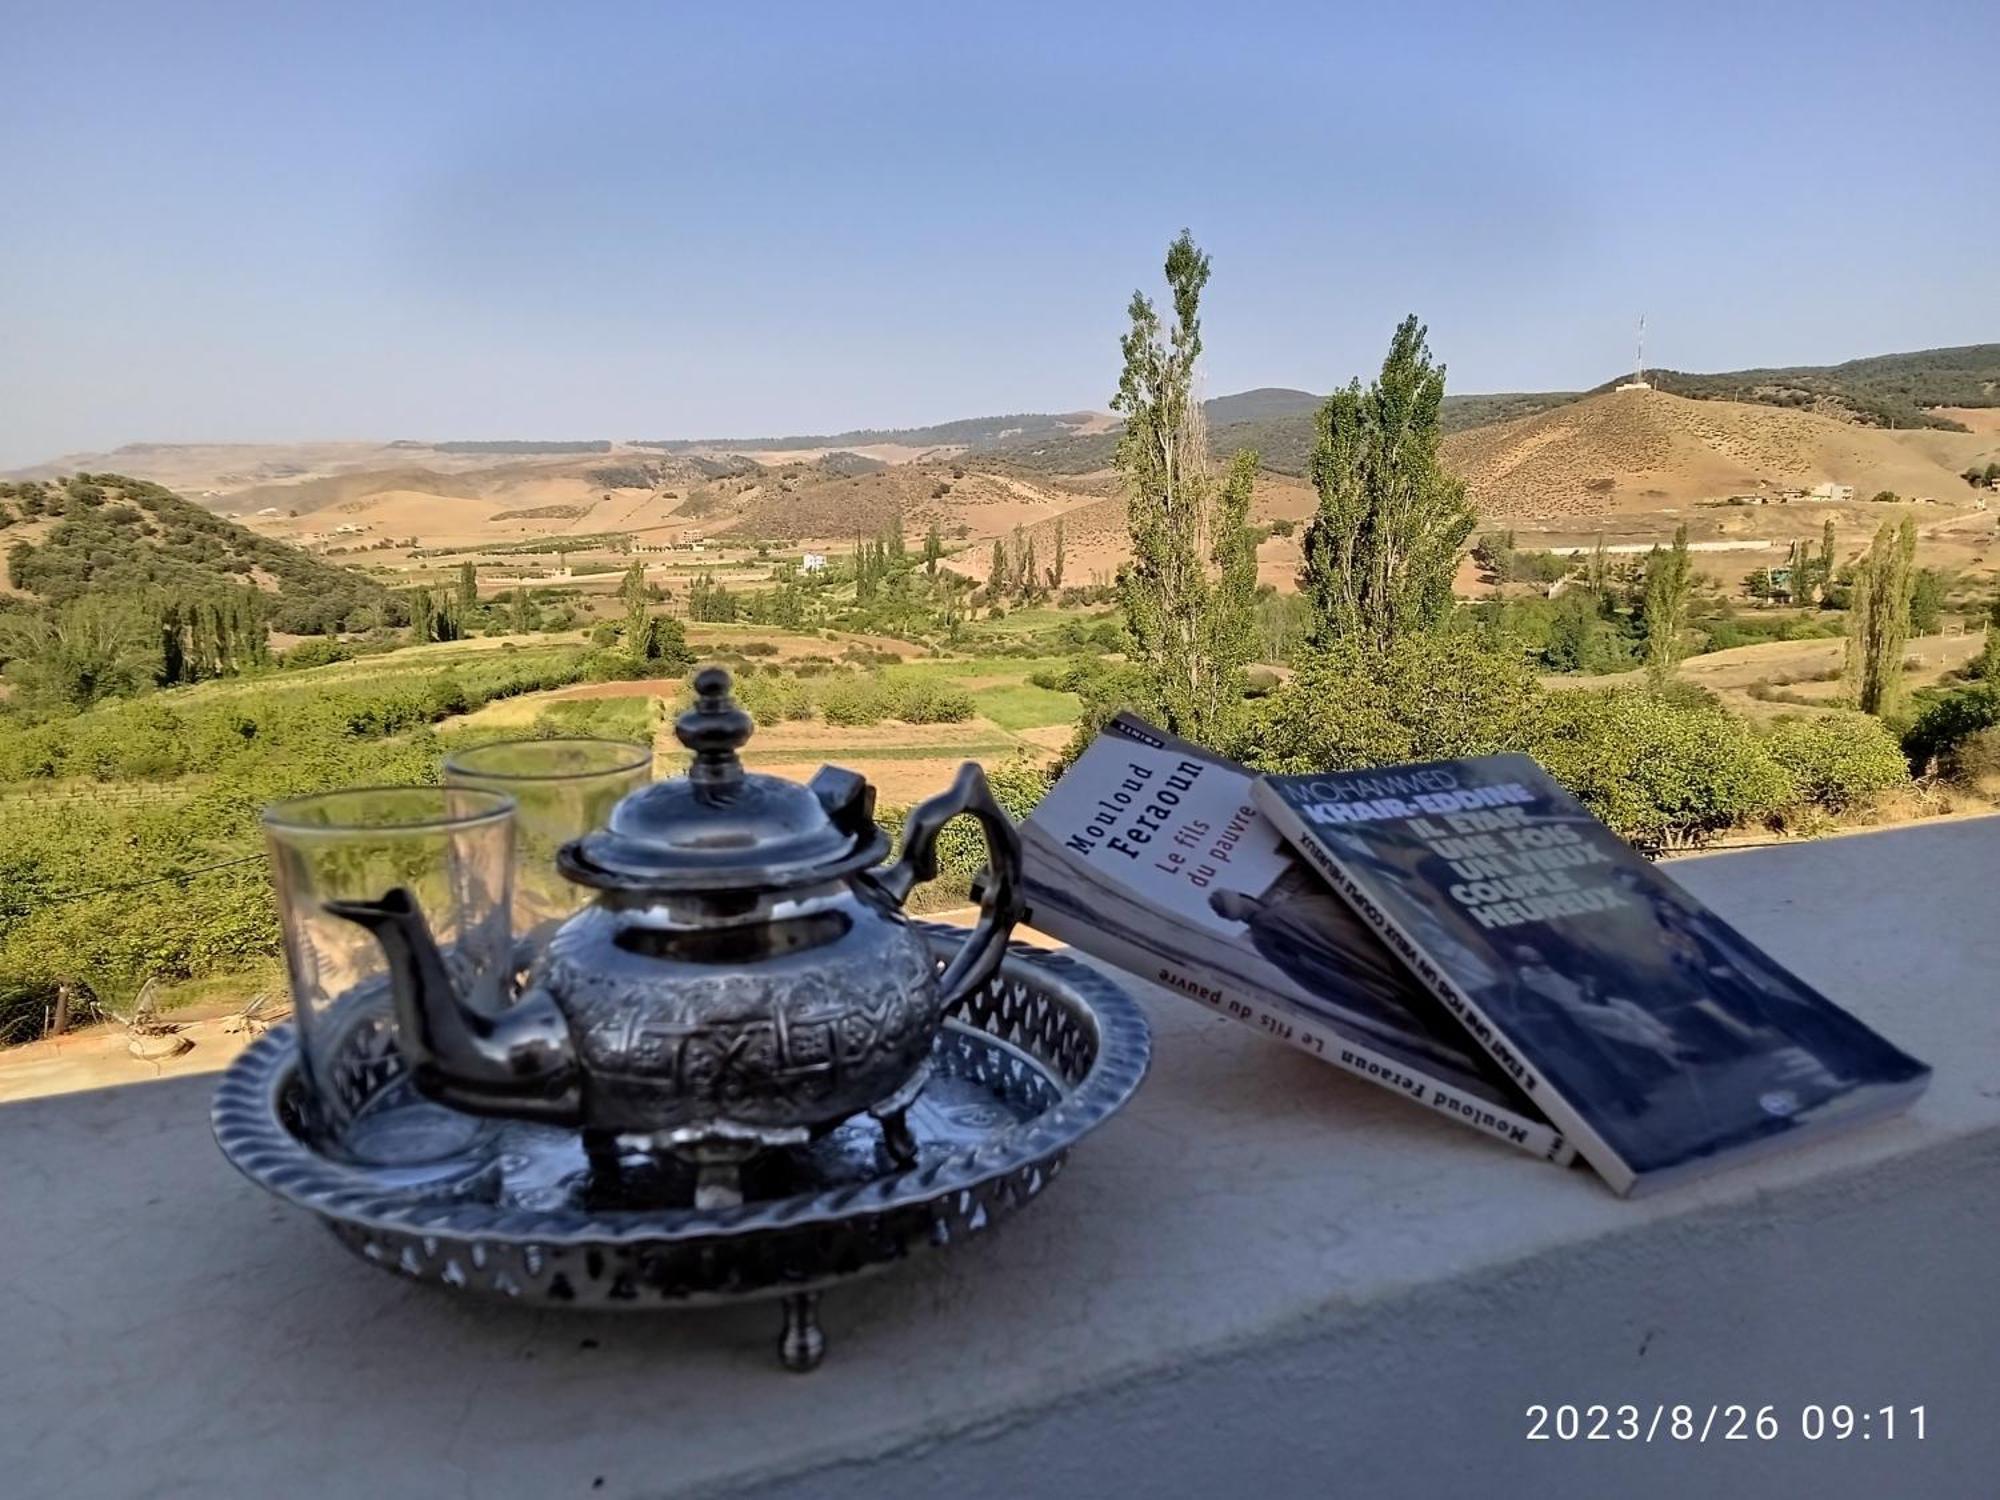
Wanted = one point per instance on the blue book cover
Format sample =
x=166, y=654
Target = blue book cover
x=1657, y=1037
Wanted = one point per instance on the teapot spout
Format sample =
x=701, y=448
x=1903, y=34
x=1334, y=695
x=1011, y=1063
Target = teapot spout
x=520, y=1062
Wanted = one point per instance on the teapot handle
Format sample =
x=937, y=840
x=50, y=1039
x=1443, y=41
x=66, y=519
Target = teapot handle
x=1001, y=901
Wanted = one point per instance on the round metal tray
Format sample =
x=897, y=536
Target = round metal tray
x=1043, y=1053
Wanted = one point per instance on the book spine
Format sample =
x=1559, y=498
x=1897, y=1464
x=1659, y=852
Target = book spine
x=1475, y=1021
x=1271, y=1017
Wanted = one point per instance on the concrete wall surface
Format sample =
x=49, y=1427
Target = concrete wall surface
x=1264, y=1279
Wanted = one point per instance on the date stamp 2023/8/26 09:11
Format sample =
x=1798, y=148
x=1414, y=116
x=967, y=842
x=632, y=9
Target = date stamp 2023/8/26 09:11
x=1719, y=1422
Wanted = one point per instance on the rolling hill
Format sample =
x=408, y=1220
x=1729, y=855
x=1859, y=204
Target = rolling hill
x=105, y=533
x=969, y=432
x=1652, y=450
x=1882, y=390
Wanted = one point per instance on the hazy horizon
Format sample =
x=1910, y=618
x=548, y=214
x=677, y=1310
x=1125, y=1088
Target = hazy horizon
x=612, y=222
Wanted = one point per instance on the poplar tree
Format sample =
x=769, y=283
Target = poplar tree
x=996, y=570
x=639, y=639
x=933, y=550
x=468, y=586
x=1669, y=587
x=1179, y=615
x=1056, y=557
x=1878, y=619
x=1382, y=548
x=1230, y=634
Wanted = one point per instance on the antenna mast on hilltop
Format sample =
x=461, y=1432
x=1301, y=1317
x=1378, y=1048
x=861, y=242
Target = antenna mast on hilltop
x=1638, y=382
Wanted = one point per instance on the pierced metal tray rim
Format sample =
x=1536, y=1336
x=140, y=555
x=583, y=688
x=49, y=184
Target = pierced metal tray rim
x=244, y=1116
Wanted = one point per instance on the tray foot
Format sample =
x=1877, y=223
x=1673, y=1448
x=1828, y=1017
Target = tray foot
x=801, y=1346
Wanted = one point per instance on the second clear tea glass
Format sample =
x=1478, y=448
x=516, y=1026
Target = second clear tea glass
x=452, y=849
x=562, y=789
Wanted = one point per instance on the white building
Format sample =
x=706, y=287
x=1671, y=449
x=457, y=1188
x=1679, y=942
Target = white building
x=1827, y=490
x=812, y=562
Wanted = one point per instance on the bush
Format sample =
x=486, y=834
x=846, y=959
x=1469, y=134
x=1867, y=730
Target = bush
x=1662, y=774
x=1427, y=698
x=1946, y=719
x=1838, y=761
x=321, y=651
x=1976, y=758
x=772, y=699
x=852, y=702
x=928, y=701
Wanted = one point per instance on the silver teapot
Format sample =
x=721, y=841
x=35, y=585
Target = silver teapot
x=745, y=978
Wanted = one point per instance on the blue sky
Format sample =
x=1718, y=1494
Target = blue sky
x=262, y=222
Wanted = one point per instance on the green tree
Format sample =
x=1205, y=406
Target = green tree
x=1928, y=590
x=1669, y=587
x=1057, y=556
x=1822, y=578
x=468, y=587
x=93, y=647
x=520, y=620
x=933, y=550
x=1878, y=619
x=1383, y=545
x=1172, y=510
x=1494, y=551
x=632, y=588
x=1029, y=576
x=1229, y=624
x=996, y=569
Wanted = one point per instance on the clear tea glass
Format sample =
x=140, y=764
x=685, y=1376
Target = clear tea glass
x=562, y=789
x=453, y=849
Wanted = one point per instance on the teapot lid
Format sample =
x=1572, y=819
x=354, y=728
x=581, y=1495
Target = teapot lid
x=722, y=828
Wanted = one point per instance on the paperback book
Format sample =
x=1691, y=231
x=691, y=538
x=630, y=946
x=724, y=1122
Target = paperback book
x=1150, y=853
x=1652, y=1033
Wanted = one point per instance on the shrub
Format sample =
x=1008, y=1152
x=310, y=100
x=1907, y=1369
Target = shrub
x=1944, y=720
x=851, y=702
x=928, y=701
x=772, y=699
x=1426, y=698
x=321, y=651
x=1838, y=761
x=1976, y=758
x=1663, y=774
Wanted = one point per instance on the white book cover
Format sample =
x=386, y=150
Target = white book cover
x=1151, y=846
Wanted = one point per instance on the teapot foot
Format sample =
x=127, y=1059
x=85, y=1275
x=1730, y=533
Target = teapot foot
x=801, y=1345
x=718, y=1184
x=600, y=1149
x=893, y=1115
x=719, y=1151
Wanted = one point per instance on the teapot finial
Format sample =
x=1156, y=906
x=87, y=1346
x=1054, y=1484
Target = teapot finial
x=714, y=729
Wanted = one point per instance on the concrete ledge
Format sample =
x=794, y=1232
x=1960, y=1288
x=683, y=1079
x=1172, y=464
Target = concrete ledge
x=1263, y=1276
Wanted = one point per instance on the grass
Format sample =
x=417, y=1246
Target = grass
x=1013, y=703
x=1024, y=706
x=999, y=749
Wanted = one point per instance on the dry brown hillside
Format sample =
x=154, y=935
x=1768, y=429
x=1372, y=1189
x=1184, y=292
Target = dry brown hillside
x=1646, y=450
x=965, y=503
